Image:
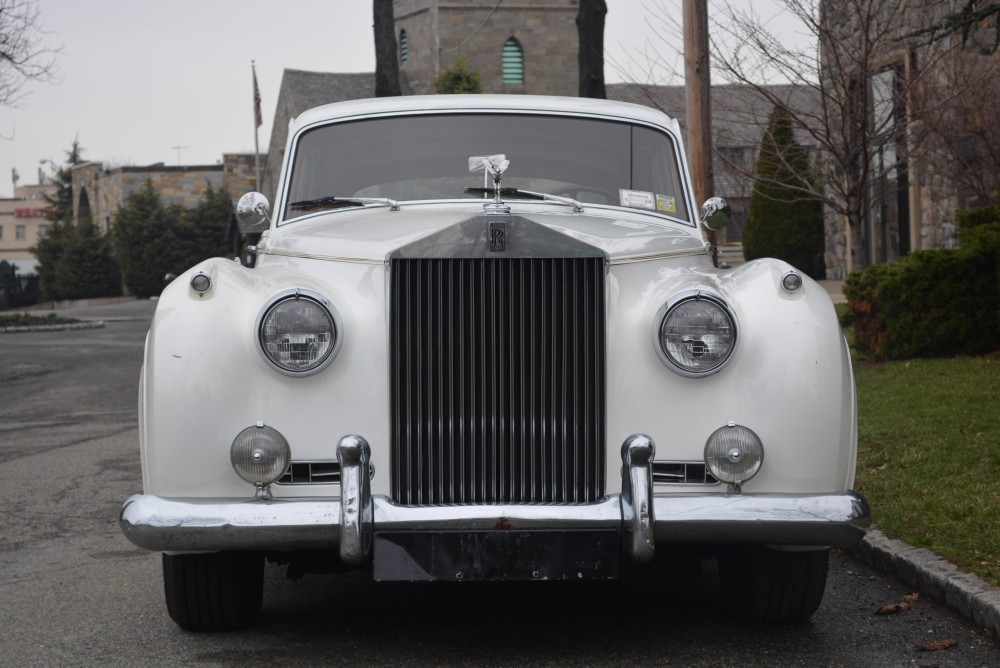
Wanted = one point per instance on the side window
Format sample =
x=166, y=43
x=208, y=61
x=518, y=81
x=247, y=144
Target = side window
x=404, y=48
x=513, y=63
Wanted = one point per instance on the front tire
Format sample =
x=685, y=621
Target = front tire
x=221, y=591
x=771, y=586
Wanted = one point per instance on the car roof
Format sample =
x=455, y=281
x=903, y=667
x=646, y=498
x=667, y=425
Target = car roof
x=479, y=103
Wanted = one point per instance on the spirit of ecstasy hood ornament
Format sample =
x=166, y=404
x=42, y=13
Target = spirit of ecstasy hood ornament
x=495, y=166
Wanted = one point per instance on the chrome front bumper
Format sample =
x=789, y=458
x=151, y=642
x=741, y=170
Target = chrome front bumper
x=348, y=523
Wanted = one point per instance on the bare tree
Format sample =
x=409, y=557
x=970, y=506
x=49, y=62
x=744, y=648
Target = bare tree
x=962, y=138
x=386, y=58
x=864, y=93
x=966, y=21
x=23, y=55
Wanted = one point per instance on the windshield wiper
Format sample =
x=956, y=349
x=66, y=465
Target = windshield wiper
x=340, y=203
x=528, y=194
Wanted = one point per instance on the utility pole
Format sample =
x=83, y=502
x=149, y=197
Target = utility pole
x=698, y=90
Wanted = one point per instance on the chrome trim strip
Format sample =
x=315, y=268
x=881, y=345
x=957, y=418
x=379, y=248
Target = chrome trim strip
x=631, y=259
x=835, y=520
x=165, y=525
x=638, y=513
x=356, y=531
x=318, y=256
x=603, y=514
x=190, y=525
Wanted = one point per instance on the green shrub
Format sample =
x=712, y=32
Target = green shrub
x=979, y=229
x=458, y=79
x=927, y=304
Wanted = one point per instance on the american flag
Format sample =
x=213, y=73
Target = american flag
x=256, y=98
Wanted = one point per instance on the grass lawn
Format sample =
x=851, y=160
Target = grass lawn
x=929, y=455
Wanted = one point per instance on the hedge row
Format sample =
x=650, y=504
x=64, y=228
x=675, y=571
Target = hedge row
x=931, y=303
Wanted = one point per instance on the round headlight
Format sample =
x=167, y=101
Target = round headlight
x=299, y=332
x=260, y=454
x=694, y=333
x=733, y=454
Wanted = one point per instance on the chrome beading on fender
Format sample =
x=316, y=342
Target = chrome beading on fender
x=353, y=453
x=637, y=497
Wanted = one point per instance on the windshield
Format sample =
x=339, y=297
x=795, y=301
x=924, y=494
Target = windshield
x=427, y=157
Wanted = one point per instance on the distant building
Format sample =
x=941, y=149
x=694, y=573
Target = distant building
x=98, y=191
x=22, y=224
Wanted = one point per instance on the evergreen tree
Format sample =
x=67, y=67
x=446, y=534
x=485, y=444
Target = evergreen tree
x=74, y=262
x=209, y=224
x=155, y=240
x=783, y=222
x=144, y=242
x=458, y=79
x=88, y=268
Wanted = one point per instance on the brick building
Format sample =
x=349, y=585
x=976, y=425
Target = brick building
x=22, y=224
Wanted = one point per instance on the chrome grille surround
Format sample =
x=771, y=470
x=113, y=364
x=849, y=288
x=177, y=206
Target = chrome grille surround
x=498, y=368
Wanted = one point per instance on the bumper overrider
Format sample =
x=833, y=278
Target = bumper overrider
x=551, y=541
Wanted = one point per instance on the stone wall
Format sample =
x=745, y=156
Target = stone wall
x=438, y=31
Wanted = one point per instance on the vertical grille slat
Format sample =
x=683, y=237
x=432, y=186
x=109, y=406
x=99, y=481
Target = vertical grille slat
x=497, y=380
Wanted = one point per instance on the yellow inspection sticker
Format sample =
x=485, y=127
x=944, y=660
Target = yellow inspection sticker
x=666, y=204
x=636, y=199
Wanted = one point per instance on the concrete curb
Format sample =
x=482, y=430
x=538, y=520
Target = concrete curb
x=91, y=324
x=965, y=593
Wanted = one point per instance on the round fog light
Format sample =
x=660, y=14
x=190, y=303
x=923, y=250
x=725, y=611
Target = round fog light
x=733, y=454
x=260, y=455
x=201, y=282
x=791, y=281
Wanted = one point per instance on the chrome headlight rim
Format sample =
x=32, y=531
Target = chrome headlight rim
x=323, y=303
x=668, y=307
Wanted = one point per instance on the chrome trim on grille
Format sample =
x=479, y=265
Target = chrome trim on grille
x=498, y=370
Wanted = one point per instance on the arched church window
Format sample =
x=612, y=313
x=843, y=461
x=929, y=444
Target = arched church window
x=513, y=63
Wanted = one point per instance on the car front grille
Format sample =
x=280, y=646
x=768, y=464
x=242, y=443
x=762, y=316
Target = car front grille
x=498, y=380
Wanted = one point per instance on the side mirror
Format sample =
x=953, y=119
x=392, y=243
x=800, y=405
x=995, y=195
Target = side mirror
x=715, y=214
x=253, y=209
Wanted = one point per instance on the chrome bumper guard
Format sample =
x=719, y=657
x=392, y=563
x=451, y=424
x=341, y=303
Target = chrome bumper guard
x=348, y=523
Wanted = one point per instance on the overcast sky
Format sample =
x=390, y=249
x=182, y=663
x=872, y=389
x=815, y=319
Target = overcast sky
x=142, y=82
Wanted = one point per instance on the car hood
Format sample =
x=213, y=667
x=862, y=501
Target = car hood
x=371, y=233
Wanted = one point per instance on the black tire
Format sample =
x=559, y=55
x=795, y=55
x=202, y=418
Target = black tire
x=773, y=587
x=221, y=591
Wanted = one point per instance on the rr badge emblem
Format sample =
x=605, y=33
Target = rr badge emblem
x=498, y=236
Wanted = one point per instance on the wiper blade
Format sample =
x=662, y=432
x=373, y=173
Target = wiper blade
x=504, y=192
x=340, y=203
x=528, y=194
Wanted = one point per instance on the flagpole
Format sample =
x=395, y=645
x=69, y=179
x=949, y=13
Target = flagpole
x=256, y=125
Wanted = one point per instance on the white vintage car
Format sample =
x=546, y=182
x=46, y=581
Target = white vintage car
x=484, y=339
